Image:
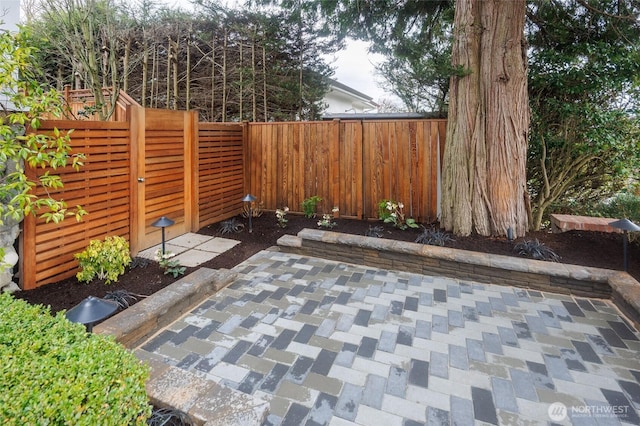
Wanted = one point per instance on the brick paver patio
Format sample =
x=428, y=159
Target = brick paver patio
x=334, y=344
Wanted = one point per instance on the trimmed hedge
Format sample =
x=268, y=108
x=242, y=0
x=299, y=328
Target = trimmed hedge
x=53, y=372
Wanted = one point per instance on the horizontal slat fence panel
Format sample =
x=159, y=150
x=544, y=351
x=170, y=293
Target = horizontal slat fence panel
x=101, y=187
x=164, y=140
x=221, y=150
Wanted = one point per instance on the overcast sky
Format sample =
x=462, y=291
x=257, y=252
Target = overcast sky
x=354, y=67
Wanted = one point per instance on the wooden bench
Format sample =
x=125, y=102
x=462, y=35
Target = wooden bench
x=570, y=222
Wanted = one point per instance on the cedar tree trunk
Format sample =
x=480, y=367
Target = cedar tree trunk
x=484, y=166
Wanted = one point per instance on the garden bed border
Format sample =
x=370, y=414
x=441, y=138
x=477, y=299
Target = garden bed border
x=582, y=281
x=205, y=401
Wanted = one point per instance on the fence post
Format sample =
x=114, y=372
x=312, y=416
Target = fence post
x=136, y=147
x=334, y=166
x=191, y=170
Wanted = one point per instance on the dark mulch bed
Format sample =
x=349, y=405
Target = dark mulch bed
x=594, y=249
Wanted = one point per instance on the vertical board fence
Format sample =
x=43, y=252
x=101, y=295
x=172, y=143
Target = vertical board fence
x=165, y=163
x=349, y=164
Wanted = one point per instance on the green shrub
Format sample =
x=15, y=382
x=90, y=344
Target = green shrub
x=383, y=209
x=310, y=205
x=104, y=260
x=623, y=205
x=54, y=372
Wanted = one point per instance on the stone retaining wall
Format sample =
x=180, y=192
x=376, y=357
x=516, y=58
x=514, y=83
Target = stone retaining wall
x=467, y=265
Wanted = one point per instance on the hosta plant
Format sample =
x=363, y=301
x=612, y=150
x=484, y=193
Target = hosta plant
x=104, y=260
x=170, y=265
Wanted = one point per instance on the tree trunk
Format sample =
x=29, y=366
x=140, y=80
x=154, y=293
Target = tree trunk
x=264, y=84
x=174, y=67
x=484, y=166
x=167, y=101
x=125, y=64
x=145, y=71
x=241, y=84
x=224, y=77
x=253, y=77
x=213, y=80
x=188, y=76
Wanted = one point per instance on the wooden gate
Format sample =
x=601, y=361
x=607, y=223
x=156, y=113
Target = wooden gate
x=163, y=177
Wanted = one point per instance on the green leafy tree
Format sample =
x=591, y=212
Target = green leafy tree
x=414, y=36
x=85, y=40
x=230, y=64
x=583, y=82
x=24, y=102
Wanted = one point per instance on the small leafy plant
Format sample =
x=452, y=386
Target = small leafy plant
x=255, y=211
x=534, y=249
x=310, y=205
x=391, y=211
x=327, y=221
x=281, y=217
x=231, y=226
x=123, y=298
x=169, y=417
x=170, y=266
x=104, y=260
x=433, y=237
x=375, y=231
x=139, y=262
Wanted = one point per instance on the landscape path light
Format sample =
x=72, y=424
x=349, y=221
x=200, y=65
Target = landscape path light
x=626, y=226
x=249, y=199
x=163, y=222
x=91, y=310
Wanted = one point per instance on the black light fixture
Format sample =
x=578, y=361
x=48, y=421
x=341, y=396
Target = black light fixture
x=626, y=226
x=163, y=222
x=249, y=199
x=91, y=310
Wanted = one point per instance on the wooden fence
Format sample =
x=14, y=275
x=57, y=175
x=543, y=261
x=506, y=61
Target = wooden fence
x=159, y=163
x=349, y=164
x=165, y=163
x=102, y=187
